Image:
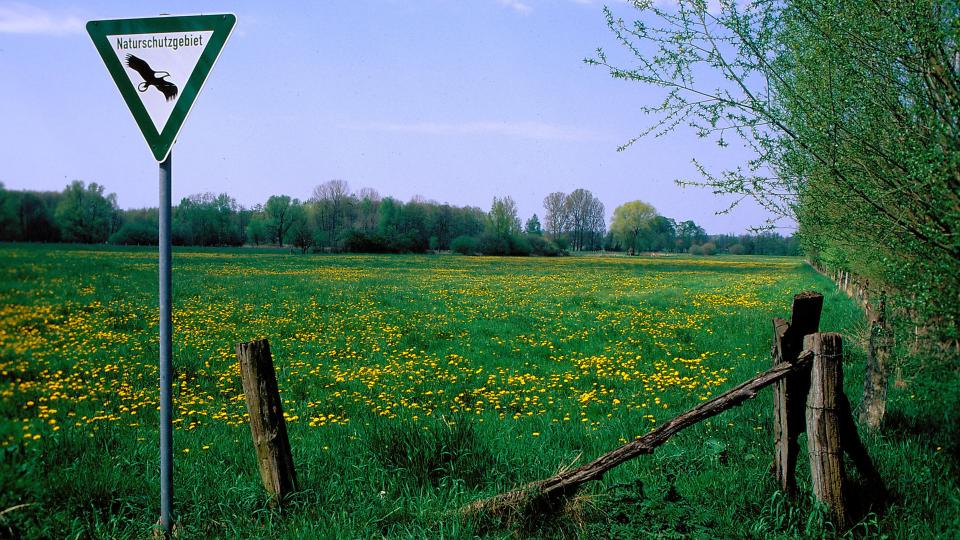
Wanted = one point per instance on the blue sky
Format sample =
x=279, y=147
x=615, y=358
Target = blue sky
x=454, y=100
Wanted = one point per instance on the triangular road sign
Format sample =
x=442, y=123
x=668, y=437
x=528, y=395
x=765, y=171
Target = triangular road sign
x=159, y=64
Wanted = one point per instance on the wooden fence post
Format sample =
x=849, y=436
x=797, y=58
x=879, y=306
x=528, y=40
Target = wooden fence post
x=266, y=419
x=790, y=394
x=877, y=377
x=824, y=411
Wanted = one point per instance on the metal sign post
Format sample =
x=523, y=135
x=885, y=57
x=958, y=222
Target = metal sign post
x=159, y=64
x=166, y=342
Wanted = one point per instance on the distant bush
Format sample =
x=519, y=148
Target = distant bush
x=492, y=244
x=519, y=244
x=737, y=249
x=360, y=242
x=708, y=249
x=541, y=246
x=136, y=233
x=464, y=245
x=704, y=249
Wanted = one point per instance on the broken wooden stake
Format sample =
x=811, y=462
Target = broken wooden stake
x=267, y=425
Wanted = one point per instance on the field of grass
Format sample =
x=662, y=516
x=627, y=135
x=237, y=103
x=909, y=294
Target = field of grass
x=415, y=384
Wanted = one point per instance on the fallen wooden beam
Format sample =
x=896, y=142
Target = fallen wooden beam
x=552, y=492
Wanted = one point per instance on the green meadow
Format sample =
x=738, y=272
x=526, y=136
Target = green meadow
x=413, y=385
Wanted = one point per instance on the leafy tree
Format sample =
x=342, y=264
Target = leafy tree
x=629, y=219
x=689, y=234
x=533, y=226
x=85, y=215
x=205, y=219
x=258, y=230
x=277, y=213
x=139, y=228
x=28, y=216
x=301, y=232
x=504, y=220
x=465, y=245
x=9, y=224
x=852, y=111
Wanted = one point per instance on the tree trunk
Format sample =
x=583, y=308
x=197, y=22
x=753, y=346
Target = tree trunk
x=877, y=376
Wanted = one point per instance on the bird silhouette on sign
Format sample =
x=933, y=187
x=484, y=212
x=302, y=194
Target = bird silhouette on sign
x=156, y=79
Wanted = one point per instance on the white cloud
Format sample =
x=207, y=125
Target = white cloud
x=517, y=5
x=18, y=18
x=524, y=130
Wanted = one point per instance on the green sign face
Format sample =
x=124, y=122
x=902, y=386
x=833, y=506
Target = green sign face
x=159, y=65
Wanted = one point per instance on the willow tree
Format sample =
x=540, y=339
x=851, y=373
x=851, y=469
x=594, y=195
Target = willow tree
x=852, y=111
x=629, y=220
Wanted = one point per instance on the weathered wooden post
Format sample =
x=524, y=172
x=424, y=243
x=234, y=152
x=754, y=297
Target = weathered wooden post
x=877, y=377
x=790, y=394
x=824, y=410
x=266, y=419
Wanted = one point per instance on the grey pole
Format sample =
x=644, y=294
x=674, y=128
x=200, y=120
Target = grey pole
x=166, y=369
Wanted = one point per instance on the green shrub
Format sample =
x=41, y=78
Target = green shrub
x=465, y=245
x=136, y=233
x=492, y=244
x=519, y=244
x=541, y=246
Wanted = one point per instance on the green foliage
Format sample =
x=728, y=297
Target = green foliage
x=28, y=216
x=205, y=219
x=464, y=245
x=140, y=228
x=85, y=215
x=629, y=219
x=503, y=218
x=851, y=111
x=276, y=211
x=301, y=232
x=493, y=244
x=532, y=226
x=543, y=247
x=708, y=248
x=258, y=230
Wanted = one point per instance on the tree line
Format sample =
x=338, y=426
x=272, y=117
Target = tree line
x=336, y=219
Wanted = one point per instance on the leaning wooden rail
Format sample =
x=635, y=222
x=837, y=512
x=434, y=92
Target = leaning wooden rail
x=552, y=491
